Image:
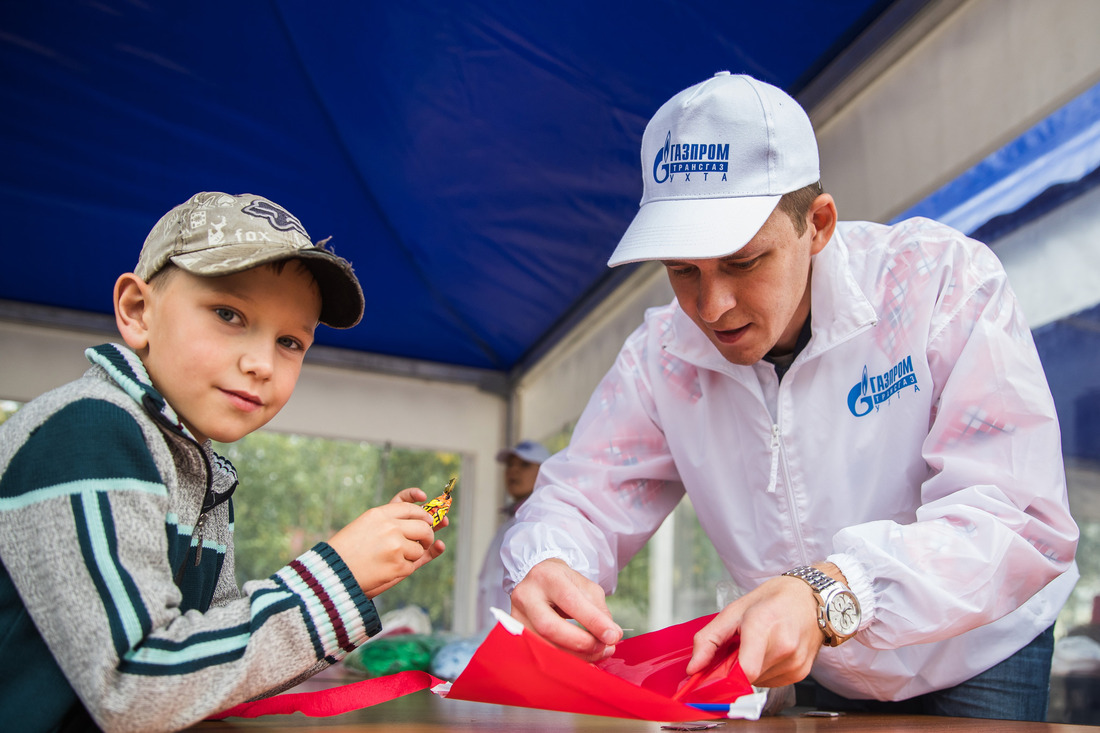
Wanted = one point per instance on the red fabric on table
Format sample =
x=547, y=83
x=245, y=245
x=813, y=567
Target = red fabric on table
x=638, y=681
x=658, y=661
x=335, y=700
x=644, y=679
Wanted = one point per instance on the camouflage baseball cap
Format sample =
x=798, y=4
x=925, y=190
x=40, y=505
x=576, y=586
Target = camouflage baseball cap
x=219, y=234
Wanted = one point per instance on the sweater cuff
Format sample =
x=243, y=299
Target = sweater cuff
x=339, y=613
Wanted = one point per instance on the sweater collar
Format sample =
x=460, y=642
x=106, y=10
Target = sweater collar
x=126, y=369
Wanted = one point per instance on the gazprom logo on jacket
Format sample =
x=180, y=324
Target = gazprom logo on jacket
x=688, y=158
x=873, y=390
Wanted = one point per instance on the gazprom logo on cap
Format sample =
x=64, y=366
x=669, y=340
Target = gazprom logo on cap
x=688, y=158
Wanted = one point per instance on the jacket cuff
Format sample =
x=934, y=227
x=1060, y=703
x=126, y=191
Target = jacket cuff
x=340, y=615
x=859, y=582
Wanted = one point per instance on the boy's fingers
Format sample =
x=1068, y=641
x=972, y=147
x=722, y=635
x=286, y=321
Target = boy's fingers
x=412, y=494
x=413, y=550
x=417, y=531
x=406, y=510
x=434, y=550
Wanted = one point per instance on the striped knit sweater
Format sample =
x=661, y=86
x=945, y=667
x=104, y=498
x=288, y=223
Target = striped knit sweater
x=117, y=593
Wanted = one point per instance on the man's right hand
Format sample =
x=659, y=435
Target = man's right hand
x=551, y=594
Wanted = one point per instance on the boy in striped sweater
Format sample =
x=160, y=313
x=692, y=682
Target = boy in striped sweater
x=118, y=601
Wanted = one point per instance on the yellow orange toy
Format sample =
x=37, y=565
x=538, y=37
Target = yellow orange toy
x=439, y=506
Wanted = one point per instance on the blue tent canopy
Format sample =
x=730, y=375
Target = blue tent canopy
x=1060, y=153
x=477, y=161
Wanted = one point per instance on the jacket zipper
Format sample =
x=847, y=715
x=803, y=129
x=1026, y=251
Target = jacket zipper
x=200, y=523
x=773, y=472
x=796, y=524
x=779, y=456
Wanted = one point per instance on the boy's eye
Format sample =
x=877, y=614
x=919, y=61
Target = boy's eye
x=226, y=314
x=291, y=343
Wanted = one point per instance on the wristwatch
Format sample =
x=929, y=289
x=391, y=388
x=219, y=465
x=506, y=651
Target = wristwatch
x=837, y=610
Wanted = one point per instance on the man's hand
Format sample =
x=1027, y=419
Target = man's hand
x=780, y=637
x=552, y=593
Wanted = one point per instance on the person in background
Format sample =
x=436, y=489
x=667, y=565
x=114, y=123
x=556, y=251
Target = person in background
x=521, y=468
x=118, y=599
x=858, y=414
x=522, y=463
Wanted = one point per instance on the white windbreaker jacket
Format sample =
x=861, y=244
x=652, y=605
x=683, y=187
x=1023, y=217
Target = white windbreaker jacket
x=913, y=442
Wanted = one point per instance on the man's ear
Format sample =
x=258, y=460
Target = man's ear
x=823, y=218
x=132, y=299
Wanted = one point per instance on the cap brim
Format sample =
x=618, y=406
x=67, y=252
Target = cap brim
x=531, y=456
x=701, y=228
x=341, y=295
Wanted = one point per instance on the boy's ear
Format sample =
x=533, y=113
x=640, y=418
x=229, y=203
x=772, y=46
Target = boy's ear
x=131, y=303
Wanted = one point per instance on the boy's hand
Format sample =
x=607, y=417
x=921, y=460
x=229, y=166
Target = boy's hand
x=384, y=545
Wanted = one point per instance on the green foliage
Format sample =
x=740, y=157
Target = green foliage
x=629, y=605
x=296, y=491
x=698, y=569
x=559, y=440
x=432, y=586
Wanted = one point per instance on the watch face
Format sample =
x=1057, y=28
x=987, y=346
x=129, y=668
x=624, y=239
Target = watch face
x=843, y=614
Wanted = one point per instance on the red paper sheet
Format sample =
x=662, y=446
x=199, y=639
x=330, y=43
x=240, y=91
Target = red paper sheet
x=645, y=679
x=639, y=681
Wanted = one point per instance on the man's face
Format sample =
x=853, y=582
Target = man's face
x=754, y=301
x=519, y=477
x=226, y=351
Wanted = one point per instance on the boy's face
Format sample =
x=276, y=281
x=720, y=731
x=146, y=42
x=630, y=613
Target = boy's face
x=226, y=351
x=753, y=301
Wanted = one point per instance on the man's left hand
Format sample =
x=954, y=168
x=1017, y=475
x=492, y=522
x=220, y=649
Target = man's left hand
x=780, y=636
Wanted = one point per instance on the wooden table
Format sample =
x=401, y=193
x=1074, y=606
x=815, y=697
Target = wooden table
x=424, y=712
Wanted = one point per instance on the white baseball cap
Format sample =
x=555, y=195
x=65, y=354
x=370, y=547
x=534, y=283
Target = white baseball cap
x=716, y=159
x=528, y=450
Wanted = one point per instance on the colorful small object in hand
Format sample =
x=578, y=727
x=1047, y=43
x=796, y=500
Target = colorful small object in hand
x=439, y=506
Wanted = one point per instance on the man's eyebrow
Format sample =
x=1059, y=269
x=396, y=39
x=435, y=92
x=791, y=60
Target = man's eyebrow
x=747, y=252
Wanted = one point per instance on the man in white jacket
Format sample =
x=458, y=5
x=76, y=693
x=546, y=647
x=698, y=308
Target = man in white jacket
x=858, y=414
